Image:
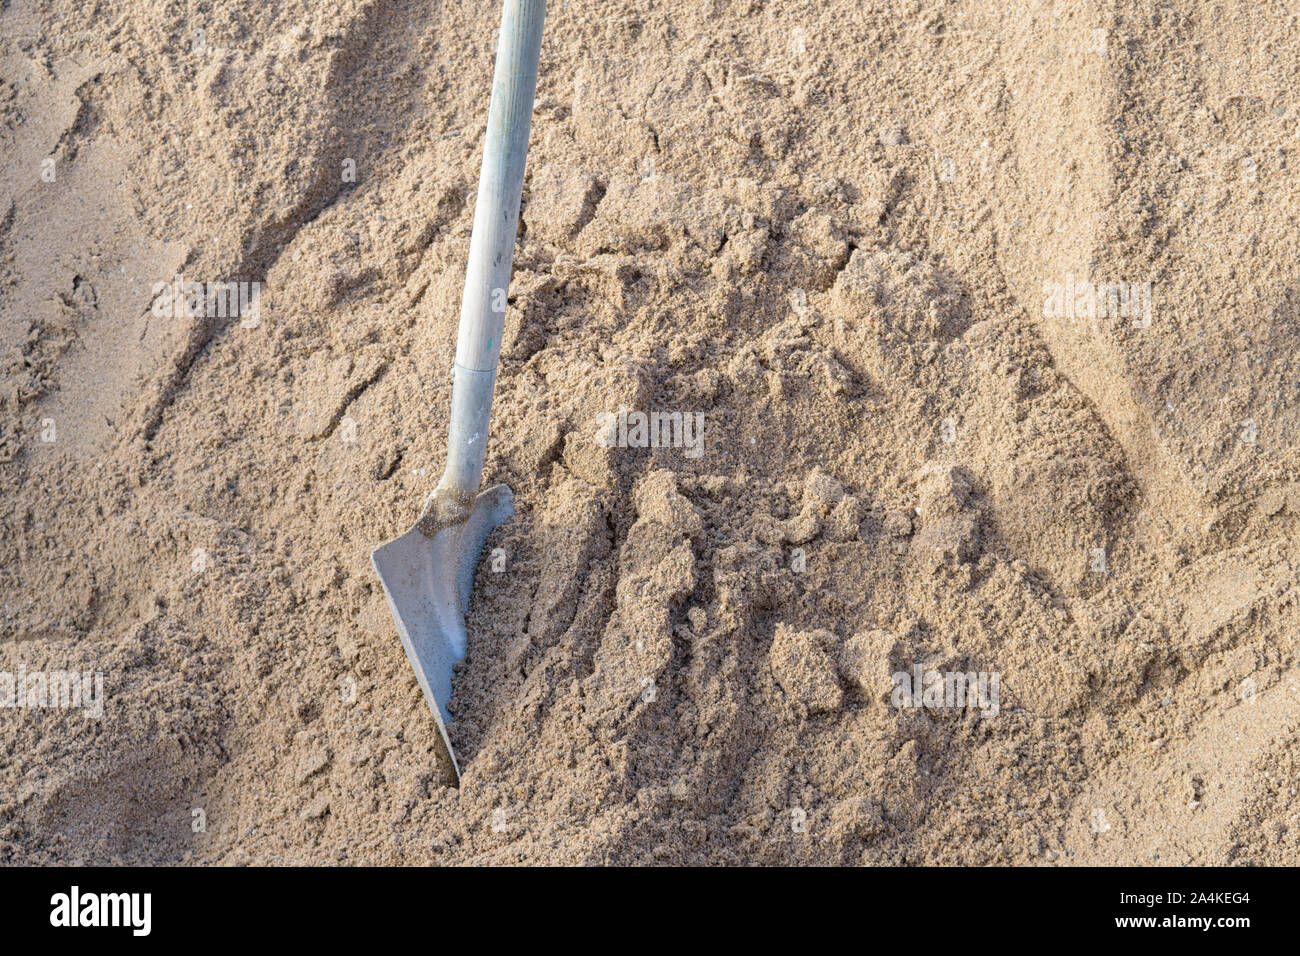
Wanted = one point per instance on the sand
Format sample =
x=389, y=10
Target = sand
x=853, y=240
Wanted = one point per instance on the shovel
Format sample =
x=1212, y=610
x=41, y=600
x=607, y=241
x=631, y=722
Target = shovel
x=428, y=572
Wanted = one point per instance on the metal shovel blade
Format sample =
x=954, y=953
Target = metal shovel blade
x=427, y=582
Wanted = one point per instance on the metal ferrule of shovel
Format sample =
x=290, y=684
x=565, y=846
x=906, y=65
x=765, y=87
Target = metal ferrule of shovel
x=428, y=572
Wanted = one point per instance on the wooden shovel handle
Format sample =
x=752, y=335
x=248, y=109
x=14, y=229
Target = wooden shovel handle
x=496, y=215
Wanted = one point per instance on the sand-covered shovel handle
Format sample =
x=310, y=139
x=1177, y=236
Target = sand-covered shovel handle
x=491, y=257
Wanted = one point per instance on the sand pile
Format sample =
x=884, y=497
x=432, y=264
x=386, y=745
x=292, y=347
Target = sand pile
x=861, y=251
